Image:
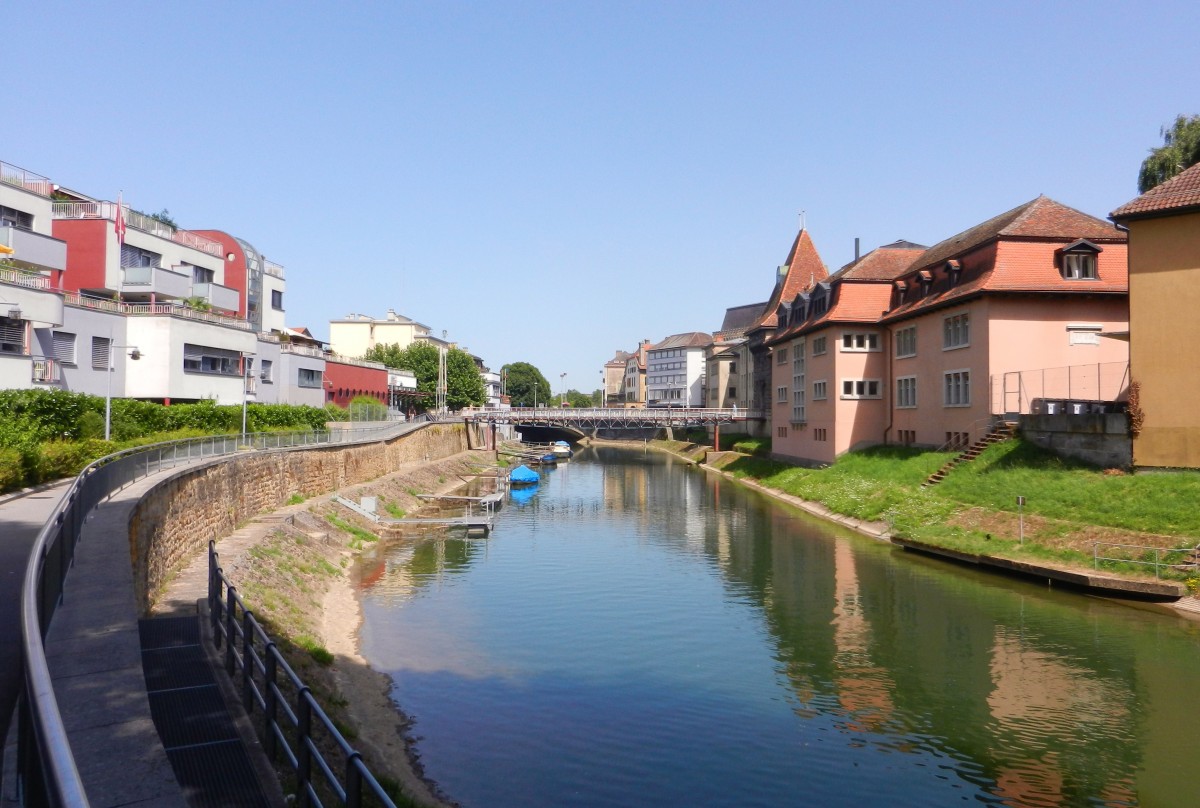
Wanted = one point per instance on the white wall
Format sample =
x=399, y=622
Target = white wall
x=160, y=372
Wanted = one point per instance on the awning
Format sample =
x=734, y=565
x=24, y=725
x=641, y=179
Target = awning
x=5, y=250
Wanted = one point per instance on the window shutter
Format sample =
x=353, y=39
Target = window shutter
x=64, y=347
x=100, y=353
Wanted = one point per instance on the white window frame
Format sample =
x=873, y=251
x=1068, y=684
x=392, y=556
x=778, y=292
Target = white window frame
x=266, y=371
x=956, y=331
x=818, y=346
x=820, y=390
x=956, y=388
x=906, y=392
x=906, y=342
x=300, y=378
x=1084, y=333
x=860, y=342
x=860, y=389
x=1079, y=266
x=781, y=395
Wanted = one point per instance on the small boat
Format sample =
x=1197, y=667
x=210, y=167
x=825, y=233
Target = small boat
x=523, y=475
x=561, y=448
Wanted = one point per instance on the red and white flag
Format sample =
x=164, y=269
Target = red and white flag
x=119, y=223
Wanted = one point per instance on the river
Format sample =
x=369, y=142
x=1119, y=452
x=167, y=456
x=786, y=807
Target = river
x=644, y=633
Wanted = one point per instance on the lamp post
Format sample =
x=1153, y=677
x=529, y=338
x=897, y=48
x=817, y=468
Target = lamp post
x=603, y=390
x=135, y=355
x=562, y=386
x=245, y=391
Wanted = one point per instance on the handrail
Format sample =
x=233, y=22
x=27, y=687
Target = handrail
x=235, y=627
x=138, y=220
x=47, y=770
x=14, y=175
x=1161, y=556
x=17, y=277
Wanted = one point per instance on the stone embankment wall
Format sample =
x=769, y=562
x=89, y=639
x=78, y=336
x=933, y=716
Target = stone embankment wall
x=175, y=520
x=1100, y=439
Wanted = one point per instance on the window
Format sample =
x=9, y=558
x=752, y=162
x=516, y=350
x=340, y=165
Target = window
x=820, y=390
x=201, y=274
x=799, y=385
x=266, y=371
x=1079, y=266
x=820, y=433
x=906, y=437
x=100, y=349
x=137, y=257
x=957, y=388
x=308, y=377
x=64, y=347
x=781, y=356
x=1084, y=333
x=781, y=432
x=958, y=440
x=277, y=299
x=216, y=361
x=860, y=341
x=956, y=331
x=12, y=335
x=906, y=392
x=781, y=395
x=11, y=217
x=732, y=392
x=860, y=388
x=733, y=367
x=906, y=341
x=818, y=346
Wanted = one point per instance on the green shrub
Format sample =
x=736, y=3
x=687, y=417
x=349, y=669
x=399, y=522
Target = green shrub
x=760, y=447
x=90, y=425
x=12, y=472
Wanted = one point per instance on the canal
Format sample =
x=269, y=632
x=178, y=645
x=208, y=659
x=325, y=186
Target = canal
x=643, y=633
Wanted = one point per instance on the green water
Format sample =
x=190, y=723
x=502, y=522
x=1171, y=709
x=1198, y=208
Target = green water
x=641, y=633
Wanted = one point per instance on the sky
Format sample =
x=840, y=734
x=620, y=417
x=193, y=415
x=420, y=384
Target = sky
x=549, y=182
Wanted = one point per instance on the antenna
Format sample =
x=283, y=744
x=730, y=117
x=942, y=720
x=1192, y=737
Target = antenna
x=802, y=218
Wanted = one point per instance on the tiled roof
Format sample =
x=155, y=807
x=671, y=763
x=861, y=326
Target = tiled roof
x=882, y=264
x=692, y=339
x=742, y=317
x=1181, y=191
x=804, y=269
x=1042, y=218
x=620, y=358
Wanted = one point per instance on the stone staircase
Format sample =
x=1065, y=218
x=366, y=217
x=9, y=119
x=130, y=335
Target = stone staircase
x=1001, y=430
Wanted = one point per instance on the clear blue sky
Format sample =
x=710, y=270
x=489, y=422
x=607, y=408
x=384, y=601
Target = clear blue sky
x=549, y=182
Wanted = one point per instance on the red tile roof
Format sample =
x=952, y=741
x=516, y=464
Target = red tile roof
x=805, y=269
x=882, y=264
x=691, y=339
x=1180, y=192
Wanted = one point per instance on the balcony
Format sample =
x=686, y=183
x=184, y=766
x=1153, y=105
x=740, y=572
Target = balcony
x=28, y=296
x=21, y=178
x=34, y=250
x=217, y=296
x=155, y=281
x=272, y=268
x=46, y=370
x=138, y=221
x=154, y=310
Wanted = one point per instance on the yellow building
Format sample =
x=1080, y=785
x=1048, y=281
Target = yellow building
x=356, y=334
x=1164, y=296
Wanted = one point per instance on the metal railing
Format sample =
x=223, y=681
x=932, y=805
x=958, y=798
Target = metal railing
x=613, y=416
x=292, y=719
x=1015, y=391
x=272, y=268
x=12, y=175
x=46, y=370
x=139, y=221
x=1185, y=558
x=30, y=280
x=45, y=763
x=154, y=310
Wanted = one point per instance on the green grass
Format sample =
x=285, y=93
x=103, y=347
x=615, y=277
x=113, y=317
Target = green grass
x=360, y=535
x=295, y=499
x=394, y=510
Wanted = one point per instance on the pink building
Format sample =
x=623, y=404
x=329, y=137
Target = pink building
x=931, y=346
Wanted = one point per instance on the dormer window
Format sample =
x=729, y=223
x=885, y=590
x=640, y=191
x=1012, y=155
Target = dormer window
x=1077, y=261
x=953, y=272
x=926, y=279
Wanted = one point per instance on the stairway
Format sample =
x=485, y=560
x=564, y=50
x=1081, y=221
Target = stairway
x=1001, y=430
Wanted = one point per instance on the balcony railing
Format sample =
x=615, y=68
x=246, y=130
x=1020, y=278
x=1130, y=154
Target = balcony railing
x=12, y=175
x=46, y=370
x=152, y=310
x=272, y=268
x=30, y=280
x=157, y=280
x=139, y=221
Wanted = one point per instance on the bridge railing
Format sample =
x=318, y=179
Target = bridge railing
x=571, y=416
x=46, y=767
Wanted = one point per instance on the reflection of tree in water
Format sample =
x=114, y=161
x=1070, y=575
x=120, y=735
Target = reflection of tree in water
x=397, y=570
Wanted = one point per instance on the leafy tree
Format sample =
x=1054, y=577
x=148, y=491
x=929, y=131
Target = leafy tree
x=578, y=399
x=1180, y=150
x=464, y=385
x=526, y=385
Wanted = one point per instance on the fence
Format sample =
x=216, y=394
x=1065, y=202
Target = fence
x=1161, y=558
x=252, y=656
x=1015, y=391
x=138, y=220
x=25, y=179
x=45, y=764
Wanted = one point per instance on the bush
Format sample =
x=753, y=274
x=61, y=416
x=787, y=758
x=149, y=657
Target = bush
x=12, y=472
x=760, y=447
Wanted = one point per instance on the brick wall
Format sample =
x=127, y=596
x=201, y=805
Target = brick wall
x=175, y=520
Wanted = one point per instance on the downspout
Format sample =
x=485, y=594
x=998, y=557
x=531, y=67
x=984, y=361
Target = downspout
x=887, y=346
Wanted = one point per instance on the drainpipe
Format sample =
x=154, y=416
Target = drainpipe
x=888, y=373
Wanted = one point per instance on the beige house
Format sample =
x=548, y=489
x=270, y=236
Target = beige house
x=1164, y=290
x=729, y=363
x=356, y=334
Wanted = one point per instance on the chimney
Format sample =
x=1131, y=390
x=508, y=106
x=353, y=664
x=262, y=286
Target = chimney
x=856, y=249
x=781, y=273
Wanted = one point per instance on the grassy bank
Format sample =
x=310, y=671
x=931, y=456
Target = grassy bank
x=1068, y=506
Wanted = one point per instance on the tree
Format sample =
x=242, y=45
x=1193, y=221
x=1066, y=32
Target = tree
x=464, y=385
x=578, y=399
x=1180, y=150
x=525, y=384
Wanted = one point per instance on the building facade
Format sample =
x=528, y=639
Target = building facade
x=675, y=371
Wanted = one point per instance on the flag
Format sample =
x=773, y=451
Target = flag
x=119, y=223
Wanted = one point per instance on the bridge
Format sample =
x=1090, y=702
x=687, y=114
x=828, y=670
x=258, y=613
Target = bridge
x=582, y=420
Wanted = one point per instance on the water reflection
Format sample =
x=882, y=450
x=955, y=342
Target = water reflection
x=639, y=621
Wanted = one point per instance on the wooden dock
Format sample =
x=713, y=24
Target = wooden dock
x=474, y=524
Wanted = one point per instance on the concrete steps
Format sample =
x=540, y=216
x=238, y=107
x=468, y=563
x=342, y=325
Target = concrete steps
x=1002, y=430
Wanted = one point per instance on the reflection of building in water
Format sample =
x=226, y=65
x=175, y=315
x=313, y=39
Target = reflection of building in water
x=1039, y=699
x=863, y=688
x=397, y=571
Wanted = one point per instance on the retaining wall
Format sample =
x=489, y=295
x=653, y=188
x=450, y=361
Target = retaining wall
x=176, y=518
x=1102, y=440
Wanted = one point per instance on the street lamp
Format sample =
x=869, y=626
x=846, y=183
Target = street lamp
x=562, y=386
x=135, y=355
x=603, y=390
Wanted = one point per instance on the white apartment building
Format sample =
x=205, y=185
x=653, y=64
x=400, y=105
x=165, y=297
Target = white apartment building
x=675, y=371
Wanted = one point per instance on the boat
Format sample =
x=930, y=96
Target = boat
x=561, y=448
x=523, y=475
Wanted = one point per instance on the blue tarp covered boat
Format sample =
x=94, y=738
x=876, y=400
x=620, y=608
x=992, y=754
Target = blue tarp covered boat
x=522, y=496
x=523, y=475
